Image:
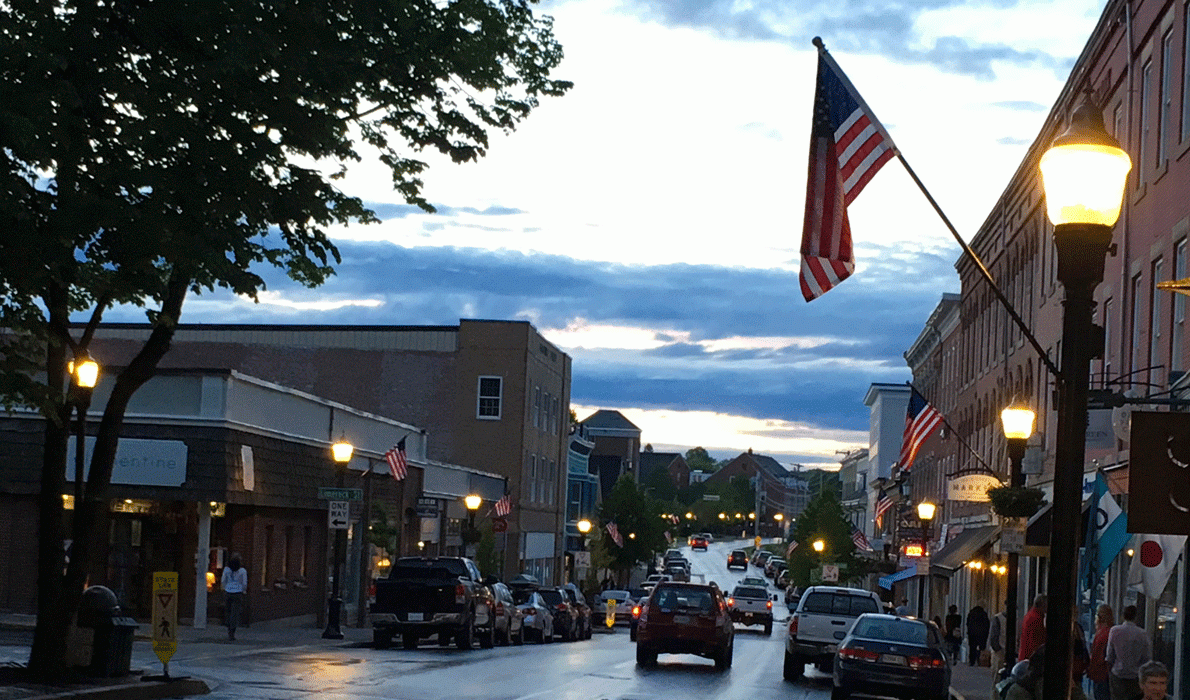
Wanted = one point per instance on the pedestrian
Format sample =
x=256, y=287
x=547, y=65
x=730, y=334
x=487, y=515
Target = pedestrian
x=937, y=623
x=996, y=629
x=903, y=608
x=1028, y=681
x=1154, y=681
x=235, y=582
x=954, y=633
x=978, y=627
x=1033, y=628
x=1128, y=648
x=1097, y=667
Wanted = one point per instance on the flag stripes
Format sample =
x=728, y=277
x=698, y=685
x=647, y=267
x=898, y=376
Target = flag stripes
x=921, y=420
x=398, y=462
x=882, y=505
x=503, y=506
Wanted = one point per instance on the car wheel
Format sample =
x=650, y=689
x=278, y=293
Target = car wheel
x=520, y=638
x=840, y=694
x=381, y=639
x=487, y=637
x=768, y=628
x=505, y=638
x=794, y=667
x=409, y=641
x=632, y=633
x=465, y=639
x=645, y=656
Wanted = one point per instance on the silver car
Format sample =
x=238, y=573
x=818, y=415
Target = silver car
x=624, y=603
x=510, y=621
x=538, y=618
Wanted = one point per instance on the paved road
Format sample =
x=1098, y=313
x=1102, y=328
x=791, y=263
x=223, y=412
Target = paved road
x=299, y=665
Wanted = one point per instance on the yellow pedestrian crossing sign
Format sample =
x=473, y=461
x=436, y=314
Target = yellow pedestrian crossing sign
x=165, y=614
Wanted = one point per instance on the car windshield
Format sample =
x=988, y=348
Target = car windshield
x=686, y=598
x=522, y=597
x=893, y=630
x=737, y=553
x=552, y=597
x=750, y=592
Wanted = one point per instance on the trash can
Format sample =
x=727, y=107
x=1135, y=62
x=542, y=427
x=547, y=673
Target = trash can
x=111, y=651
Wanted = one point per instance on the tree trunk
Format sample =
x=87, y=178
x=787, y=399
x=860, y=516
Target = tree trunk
x=58, y=594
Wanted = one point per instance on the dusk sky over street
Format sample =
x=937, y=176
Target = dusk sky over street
x=648, y=222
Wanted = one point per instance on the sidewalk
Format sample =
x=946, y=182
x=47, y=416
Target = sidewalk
x=970, y=682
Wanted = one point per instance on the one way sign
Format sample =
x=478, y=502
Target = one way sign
x=338, y=514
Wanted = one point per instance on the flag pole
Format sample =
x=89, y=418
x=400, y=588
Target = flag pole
x=959, y=437
x=987, y=276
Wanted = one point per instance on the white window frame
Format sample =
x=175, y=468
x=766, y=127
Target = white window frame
x=480, y=397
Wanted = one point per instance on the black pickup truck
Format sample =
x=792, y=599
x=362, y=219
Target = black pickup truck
x=423, y=596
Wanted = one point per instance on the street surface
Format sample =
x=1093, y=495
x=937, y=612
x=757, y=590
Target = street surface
x=298, y=664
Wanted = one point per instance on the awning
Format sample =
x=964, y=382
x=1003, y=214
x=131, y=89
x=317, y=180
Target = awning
x=888, y=581
x=957, y=552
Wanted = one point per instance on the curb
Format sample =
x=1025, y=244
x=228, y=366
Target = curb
x=141, y=690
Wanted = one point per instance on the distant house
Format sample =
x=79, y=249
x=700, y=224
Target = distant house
x=672, y=463
x=781, y=490
x=617, y=447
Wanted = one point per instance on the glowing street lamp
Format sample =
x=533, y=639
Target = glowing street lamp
x=925, y=513
x=1018, y=420
x=341, y=453
x=819, y=546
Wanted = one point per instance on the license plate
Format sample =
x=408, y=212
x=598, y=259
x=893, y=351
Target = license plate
x=892, y=659
x=681, y=619
x=416, y=617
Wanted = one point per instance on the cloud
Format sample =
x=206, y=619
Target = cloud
x=1021, y=105
x=1013, y=141
x=386, y=211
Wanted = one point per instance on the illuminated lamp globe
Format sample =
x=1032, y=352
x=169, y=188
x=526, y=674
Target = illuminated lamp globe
x=819, y=545
x=472, y=502
x=342, y=450
x=584, y=526
x=86, y=372
x=1084, y=172
x=925, y=510
x=1018, y=422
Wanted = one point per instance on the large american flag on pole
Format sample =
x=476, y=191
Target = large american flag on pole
x=398, y=463
x=503, y=506
x=921, y=420
x=614, y=531
x=882, y=506
x=860, y=539
x=848, y=145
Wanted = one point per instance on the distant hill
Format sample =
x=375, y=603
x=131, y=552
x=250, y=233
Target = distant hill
x=820, y=479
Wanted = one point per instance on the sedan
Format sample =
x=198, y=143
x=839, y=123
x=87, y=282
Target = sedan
x=771, y=567
x=585, y=618
x=890, y=655
x=538, y=617
x=510, y=621
x=624, y=602
x=566, y=617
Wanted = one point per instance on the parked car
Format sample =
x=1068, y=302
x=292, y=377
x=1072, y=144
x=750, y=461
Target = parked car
x=424, y=596
x=738, y=557
x=760, y=557
x=672, y=553
x=654, y=579
x=538, y=622
x=782, y=580
x=771, y=566
x=751, y=605
x=565, y=615
x=890, y=655
x=754, y=581
x=823, y=616
x=624, y=602
x=510, y=621
x=579, y=601
x=699, y=542
x=793, y=594
x=685, y=618
x=677, y=572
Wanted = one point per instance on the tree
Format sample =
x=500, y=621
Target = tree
x=634, y=513
x=699, y=459
x=824, y=519
x=157, y=149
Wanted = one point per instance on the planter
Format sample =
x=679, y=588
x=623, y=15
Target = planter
x=1016, y=501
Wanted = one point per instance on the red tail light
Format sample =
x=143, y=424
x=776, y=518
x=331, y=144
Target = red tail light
x=793, y=626
x=561, y=606
x=460, y=594
x=500, y=609
x=769, y=605
x=920, y=662
x=636, y=611
x=731, y=601
x=858, y=654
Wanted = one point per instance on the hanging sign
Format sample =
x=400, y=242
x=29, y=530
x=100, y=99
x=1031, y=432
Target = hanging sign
x=971, y=487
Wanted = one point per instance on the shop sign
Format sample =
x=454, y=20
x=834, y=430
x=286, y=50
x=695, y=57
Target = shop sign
x=427, y=507
x=138, y=462
x=971, y=487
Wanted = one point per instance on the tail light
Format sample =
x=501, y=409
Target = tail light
x=769, y=605
x=636, y=611
x=793, y=626
x=919, y=662
x=561, y=606
x=858, y=654
x=500, y=609
x=460, y=594
x=731, y=601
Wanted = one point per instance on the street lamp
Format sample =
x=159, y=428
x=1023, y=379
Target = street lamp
x=925, y=515
x=1018, y=427
x=85, y=372
x=341, y=453
x=1084, y=175
x=584, y=526
x=819, y=546
x=473, y=502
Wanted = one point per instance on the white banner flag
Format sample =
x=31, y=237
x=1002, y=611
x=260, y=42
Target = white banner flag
x=1154, y=561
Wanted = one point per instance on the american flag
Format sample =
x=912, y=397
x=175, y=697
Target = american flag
x=668, y=537
x=920, y=421
x=882, y=505
x=861, y=541
x=848, y=145
x=503, y=506
x=789, y=550
x=398, y=464
x=615, y=533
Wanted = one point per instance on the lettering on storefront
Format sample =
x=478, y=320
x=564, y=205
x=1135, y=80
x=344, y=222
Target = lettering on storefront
x=971, y=487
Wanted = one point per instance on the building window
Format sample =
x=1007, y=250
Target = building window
x=1134, y=358
x=554, y=417
x=307, y=540
x=553, y=484
x=489, y=399
x=536, y=407
x=1166, y=106
x=533, y=476
x=1179, y=308
x=1146, y=94
x=1155, y=316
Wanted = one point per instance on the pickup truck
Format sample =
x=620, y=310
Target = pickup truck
x=823, y=617
x=425, y=596
x=751, y=605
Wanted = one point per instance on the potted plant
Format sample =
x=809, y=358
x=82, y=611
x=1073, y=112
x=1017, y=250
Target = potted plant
x=1016, y=501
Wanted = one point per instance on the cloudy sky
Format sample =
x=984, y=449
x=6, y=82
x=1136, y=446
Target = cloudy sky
x=649, y=222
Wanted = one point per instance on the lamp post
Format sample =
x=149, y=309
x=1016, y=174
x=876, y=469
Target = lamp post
x=1018, y=426
x=86, y=374
x=925, y=515
x=341, y=452
x=472, y=502
x=1083, y=175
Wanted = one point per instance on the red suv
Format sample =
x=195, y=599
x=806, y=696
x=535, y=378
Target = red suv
x=697, y=542
x=685, y=618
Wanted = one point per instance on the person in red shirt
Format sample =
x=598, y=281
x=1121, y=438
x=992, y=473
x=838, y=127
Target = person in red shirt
x=1033, y=628
x=1097, y=669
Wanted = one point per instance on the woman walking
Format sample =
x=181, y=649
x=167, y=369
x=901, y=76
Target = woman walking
x=235, y=582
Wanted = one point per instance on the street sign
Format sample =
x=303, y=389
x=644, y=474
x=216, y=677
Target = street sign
x=498, y=524
x=923, y=566
x=328, y=493
x=830, y=573
x=610, y=617
x=427, y=507
x=165, y=615
x=338, y=515
x=582, y=560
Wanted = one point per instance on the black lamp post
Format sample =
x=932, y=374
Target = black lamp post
x=341, y=452
x=473, y=502
x=1083, y=174
x=86, y=374
x=1018, y=426
x=925, y=514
